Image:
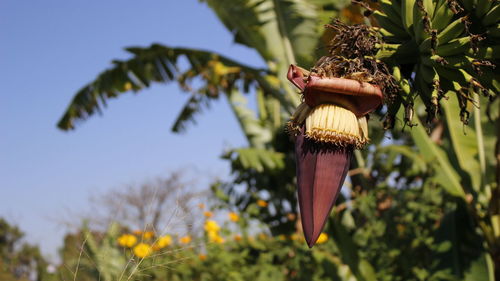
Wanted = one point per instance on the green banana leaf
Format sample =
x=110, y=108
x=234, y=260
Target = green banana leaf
x=464, y=142
x=256, y=131
x=159, y=63
x=283, y=31
x=463, y=252
x=445, y=174
x=261, y=160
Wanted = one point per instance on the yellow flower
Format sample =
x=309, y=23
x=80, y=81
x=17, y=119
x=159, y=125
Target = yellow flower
x=234, y=217
x=208, y=214
x=127, y=240
x=238, y=237
x=282, y=237
x=163, y=242
x=401, y=229
x=219, y=240
x=323, y=237
x=127, y=86
x=148, y=235
x=185, y=240
x=294, y=237
x=262, y=236
x=262, y=203
x=211, y=226
x=214, y=237
x=202, y=257
x=142, y=250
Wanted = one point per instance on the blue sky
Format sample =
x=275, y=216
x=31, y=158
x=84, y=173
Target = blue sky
x=49, y=49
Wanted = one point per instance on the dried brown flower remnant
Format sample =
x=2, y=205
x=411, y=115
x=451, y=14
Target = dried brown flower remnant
x=352, y=55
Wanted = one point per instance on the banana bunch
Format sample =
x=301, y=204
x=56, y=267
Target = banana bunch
x=440, y=48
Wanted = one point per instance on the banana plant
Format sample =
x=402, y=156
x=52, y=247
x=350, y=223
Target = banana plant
x=445, y=55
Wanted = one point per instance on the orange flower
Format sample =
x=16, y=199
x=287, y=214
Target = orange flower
x=262, y=203
x=234, y=217
x=148, y=235
x=201, y=206
x=185, y=240
x=238, y=237
x=202, y=257
x=208, y=214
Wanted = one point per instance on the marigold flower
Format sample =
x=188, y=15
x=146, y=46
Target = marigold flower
x=202, y=257
x=291, y=216
x=294, y=237
x=282, y=237
x=142, y=250
x=148, y=235
x=201, y=206
x=234, y=217
x=211, y=226
x=262, y=236
x=212, y=235
x=127, y=86
x=127, y=240
x=185, y=239
x=323, y=237
x=208, y=214
x=163, y=242
x=238, y=237
x=219, y=239
x=262, y=203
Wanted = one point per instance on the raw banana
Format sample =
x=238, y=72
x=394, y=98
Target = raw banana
x=442, y=17
x=482, y=7
x=388, y=24
x=453, y=30
x=494, y=31
x=407, y=7
x=493, y=16
x=492, y=52
x=454, y=47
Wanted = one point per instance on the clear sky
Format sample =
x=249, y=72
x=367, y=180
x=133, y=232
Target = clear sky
x=51, y=48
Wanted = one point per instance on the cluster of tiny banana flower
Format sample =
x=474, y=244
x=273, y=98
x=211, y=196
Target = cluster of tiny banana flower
x=329, y=124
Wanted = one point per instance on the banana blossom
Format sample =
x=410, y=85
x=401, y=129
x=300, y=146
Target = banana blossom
x=329, y=125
